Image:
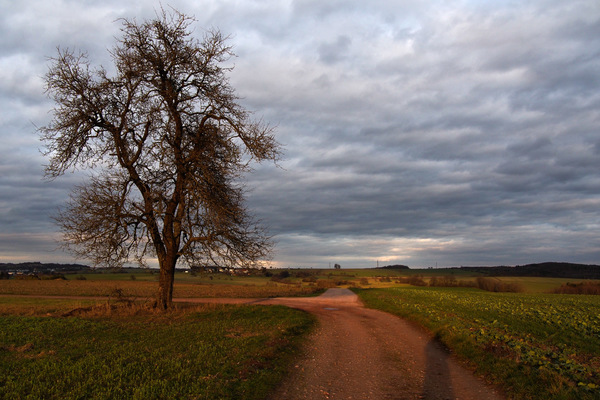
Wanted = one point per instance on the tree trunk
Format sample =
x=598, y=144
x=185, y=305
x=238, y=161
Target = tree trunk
x=165, y=283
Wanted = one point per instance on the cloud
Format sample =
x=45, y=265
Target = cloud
x=459, y=133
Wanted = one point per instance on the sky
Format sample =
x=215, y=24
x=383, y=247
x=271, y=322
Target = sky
x=422, y=133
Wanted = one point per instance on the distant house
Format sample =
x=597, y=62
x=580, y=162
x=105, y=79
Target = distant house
x=215, y=269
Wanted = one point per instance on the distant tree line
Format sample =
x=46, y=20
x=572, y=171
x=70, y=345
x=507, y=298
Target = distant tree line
x=38, y=267
x=395, y=266
x=547, y=269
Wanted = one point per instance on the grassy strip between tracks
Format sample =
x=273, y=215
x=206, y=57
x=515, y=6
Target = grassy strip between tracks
x=534, y=346
x=103, y=352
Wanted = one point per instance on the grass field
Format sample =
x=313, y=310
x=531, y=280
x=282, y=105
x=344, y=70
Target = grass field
x=533, y=344
x=208, y=352
x=119, y=285
x=536, y=346
x=144, y=283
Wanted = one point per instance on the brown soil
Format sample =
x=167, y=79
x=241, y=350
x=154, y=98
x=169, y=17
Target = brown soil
x=360, y=353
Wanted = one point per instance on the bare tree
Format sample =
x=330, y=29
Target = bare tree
x=165, y=142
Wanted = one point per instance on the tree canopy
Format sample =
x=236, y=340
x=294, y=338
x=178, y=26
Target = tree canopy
x=165, y=142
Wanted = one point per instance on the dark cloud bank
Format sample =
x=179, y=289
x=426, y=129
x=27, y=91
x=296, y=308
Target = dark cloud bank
x=456, y=133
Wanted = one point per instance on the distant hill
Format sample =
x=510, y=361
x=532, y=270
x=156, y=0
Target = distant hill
x=394, y=267
x=546, y=269
x=38, y=267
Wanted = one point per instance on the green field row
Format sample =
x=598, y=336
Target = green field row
x=535, y=346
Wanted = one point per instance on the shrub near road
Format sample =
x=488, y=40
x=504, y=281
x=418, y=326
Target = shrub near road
x=536, y=346
x=224, y=352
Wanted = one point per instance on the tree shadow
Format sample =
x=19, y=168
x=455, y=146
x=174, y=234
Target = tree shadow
x=438, y=382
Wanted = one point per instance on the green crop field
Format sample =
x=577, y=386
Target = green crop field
x=208, y=352
x=534, y=346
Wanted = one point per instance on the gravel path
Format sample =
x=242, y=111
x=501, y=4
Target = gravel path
x=360, y=353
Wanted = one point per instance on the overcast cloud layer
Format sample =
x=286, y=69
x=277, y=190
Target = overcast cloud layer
x=422, y=133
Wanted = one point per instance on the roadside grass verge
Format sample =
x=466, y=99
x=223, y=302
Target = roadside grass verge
x=193, y=352
x=534, y=346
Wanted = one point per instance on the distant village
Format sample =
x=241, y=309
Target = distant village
x=8, y=270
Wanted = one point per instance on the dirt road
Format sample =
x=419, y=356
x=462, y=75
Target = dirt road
x=364, y=354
